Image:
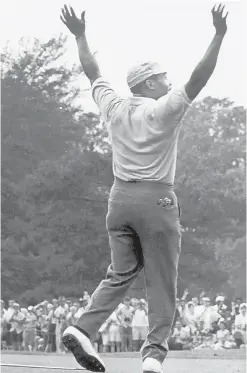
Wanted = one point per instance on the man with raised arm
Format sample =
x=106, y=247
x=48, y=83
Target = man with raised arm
x=143, y=212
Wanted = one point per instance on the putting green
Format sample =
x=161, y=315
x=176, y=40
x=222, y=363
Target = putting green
x=177, y=362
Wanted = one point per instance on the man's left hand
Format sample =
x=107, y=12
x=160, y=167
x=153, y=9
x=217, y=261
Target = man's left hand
x=75, y=25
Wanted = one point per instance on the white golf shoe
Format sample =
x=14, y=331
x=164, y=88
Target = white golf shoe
x=151, y=365
x=78, y=342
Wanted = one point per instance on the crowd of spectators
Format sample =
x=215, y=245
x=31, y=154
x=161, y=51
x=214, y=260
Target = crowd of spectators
x=198, y=323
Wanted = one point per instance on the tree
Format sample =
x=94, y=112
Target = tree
x=37, y=113
x=56, y=178
x=211, y=183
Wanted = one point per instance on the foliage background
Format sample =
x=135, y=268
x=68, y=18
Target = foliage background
x=56, y=176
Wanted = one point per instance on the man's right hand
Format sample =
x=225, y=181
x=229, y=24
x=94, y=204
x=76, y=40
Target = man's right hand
x=219, y=21
x=75, y=25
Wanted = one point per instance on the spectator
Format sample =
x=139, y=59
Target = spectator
x=3, y=322
x=190, y=318
x=214, y=327
x=198, y=308
x=69, y=303
x=182, y=310
x=44, y=304
x=236, y=306
x=51, y=319
x=17, y=321
x=229, y=319
x=63, y=326
x=222, y=337
x=139, y=325
x=37, y=338
x=10, y=310
x=60, y=314
x=114, y=332
x=200, y=332
x=208, y=341
x=125, y=316
x=29, y=332
x=220, y=307
x=71, y=320
x=104, y=330
x=55, y=303
x=177, y=313
x=237, y=335
x=38, y=311
x=81, y=308
x=134, y=303
x=195, y=301
x=3, y=306
x=98, y=344
x=241, y=321
x=41, y=345
x=86, y=297
x=209, y=315
x=181, y=338
x=7, y=316
x=76, y=305
x=44, y=322
x=201, y=296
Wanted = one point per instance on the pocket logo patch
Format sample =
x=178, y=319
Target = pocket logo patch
x=164, y=202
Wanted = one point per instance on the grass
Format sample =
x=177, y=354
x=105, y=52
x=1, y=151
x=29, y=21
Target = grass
x=177, y=362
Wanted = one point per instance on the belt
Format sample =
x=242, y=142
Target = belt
x=135, y=181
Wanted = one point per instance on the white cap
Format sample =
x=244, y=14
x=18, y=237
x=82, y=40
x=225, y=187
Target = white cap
x=220, y=298
x=142, y=71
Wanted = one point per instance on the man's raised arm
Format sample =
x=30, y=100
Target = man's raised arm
x=104, y=96
x=77, y=27
x=206, y=66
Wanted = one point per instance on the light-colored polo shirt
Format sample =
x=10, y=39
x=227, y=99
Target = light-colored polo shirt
x=140, y=318
x=17, y=322
x=143, y=132
x=31, y=320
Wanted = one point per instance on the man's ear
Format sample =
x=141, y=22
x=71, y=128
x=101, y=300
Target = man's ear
x=150, y=84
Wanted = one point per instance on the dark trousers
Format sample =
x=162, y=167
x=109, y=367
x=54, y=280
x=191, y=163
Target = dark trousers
x=127, y=340
x=52, y=337
x=143, y=232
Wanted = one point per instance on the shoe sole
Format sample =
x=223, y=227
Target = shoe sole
x=82, y=357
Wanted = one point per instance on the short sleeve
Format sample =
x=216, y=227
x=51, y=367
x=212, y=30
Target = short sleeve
x=170, y=109
x=105, y=97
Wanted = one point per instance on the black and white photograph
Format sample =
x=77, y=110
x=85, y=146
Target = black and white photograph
x=123, y=186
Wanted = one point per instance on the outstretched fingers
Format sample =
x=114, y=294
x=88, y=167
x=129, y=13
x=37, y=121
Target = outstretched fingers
x=63, y=20
x=222, y=9
x=83, y=15
x=66, y=13
x=218, y=9
x=72, y=12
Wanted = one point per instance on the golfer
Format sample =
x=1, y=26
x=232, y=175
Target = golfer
x=143, y=212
